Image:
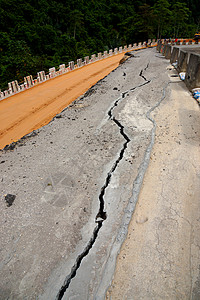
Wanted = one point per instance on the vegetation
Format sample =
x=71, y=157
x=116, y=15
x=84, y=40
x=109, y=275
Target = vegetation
x=39, y=34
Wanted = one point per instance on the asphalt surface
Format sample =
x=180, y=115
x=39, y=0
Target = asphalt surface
x=75, y=184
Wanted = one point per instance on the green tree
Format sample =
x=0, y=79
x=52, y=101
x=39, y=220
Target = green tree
x=75, y=20
x=162, y=17
x=145, y=22
x=180, y=15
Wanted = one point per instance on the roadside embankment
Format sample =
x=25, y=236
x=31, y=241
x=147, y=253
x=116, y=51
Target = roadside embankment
x=188, y=61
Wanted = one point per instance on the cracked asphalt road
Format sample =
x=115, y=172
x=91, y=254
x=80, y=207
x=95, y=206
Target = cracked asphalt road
x=57, y=175
x=160, y=258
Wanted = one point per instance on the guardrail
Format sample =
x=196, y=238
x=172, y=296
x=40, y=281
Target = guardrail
x=187, y=62
x=14, y=87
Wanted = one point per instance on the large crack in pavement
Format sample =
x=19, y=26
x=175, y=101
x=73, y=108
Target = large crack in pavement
x=101, y=215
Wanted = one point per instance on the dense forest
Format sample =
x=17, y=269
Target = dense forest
x=38, y=34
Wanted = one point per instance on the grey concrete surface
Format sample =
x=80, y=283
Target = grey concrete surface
x=174, y=55
x=161, y=255
x=57, y=175
x=182, y=61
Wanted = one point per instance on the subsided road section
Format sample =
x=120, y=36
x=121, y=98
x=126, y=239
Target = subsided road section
x=80, y=172
x=35, y=107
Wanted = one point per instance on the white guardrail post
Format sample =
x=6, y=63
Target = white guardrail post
x=99, y=55
x=105, y=54
x=41, y=76
x=62, y=69
x=86, y=60
x=52, y=72
x=79, y=62
x=71, y=65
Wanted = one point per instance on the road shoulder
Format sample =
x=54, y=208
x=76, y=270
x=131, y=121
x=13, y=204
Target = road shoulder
x=160, y=256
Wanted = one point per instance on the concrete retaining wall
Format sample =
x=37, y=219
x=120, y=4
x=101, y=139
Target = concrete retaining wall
x=174, y=55
x=168, y=51
x=192, y=78
x=186, y=62
x=182, y=61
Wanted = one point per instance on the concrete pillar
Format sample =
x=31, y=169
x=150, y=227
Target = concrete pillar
x=62, y=68
x=164, y=49
x=41, y=76
x=159, y=45
x=174, y=55
x=71, y=65
x=116, y=51
x=129, y=47
x=79, y=62
x=120, y=49
x=105, y=54
x=99, y=55
x=182, y=61
x=161, y=48
x=192, y=78
x=21, y=87
x=86, y=60
x=135, y=45
x=110, y=52
x=52, y=72
x=28, y=80
x=17, y=85
x=6, y=94
x=168, y=51
x=1, y=95
x=93, y=57
x=13, y=87
x=125, y=47
x=10, y=90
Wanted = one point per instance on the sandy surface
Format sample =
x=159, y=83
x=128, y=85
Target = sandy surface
x=31, y=109
x=160, y=258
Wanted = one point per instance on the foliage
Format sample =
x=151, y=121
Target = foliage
x=38, y=34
